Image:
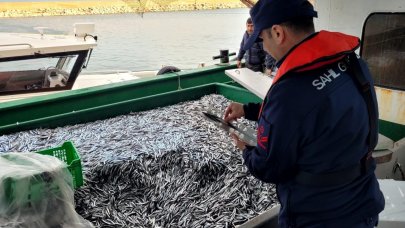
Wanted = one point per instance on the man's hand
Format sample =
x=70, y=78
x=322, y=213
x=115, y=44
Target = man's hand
x=238, y=143
x=233, y=112
x=268, y=72
x=238, y=63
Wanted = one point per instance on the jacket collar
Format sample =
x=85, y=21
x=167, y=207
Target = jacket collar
x=317, y=50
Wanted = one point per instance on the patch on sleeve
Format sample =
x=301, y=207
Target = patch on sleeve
x=262, y=135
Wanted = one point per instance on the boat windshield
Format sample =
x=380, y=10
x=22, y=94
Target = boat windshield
x=40, y=72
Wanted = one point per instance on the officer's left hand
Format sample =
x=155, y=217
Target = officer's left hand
x=239, y=143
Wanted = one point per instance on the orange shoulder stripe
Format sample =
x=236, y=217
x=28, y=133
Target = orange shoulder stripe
x=322, y=49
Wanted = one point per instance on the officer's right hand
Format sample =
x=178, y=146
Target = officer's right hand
x=238, y=63
x=233, y=112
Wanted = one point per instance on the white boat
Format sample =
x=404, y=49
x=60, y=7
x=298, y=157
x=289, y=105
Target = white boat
x=39, y=64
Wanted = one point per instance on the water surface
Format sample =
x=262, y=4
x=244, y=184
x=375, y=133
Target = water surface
x=135, y=42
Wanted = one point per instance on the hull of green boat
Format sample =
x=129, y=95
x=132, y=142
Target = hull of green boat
x=91, y=104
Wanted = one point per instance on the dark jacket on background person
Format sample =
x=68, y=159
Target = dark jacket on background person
x=314, y=119
x=255, y=58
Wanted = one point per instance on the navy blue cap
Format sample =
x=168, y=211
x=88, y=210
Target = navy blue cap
x=266, y=13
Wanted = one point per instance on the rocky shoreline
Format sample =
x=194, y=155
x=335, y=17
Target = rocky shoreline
x=35, y=9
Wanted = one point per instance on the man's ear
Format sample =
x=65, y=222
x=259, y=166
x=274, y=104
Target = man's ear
x=278, y=34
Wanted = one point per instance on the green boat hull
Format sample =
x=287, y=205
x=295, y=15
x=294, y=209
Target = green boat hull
x=91, y=104
x=95, y=103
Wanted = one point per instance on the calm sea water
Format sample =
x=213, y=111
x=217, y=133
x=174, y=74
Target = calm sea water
x=132, y=42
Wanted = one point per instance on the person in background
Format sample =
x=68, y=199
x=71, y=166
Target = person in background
x=318, y=123
x=256, y=58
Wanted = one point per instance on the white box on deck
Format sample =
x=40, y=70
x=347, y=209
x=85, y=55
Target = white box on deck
x=256, y=82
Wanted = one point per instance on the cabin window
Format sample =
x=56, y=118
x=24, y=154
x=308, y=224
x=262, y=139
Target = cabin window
x=383, y=48
x=41, y=73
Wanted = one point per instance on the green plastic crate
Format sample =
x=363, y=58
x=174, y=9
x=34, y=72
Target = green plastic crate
x=68, y=154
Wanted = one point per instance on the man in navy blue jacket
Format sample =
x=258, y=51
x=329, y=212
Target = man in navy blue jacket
x=316, y=127
x=256, y=58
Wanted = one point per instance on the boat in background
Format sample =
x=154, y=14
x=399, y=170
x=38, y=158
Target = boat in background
x=40, y=64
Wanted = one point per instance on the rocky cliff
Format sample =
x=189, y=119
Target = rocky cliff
x=86, y=7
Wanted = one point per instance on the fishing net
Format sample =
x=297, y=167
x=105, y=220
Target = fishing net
x=36, y=191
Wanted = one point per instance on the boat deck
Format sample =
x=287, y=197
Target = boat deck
x=88, y=80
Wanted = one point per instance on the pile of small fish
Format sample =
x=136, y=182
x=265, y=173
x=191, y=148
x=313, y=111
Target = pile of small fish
x=167, y=167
